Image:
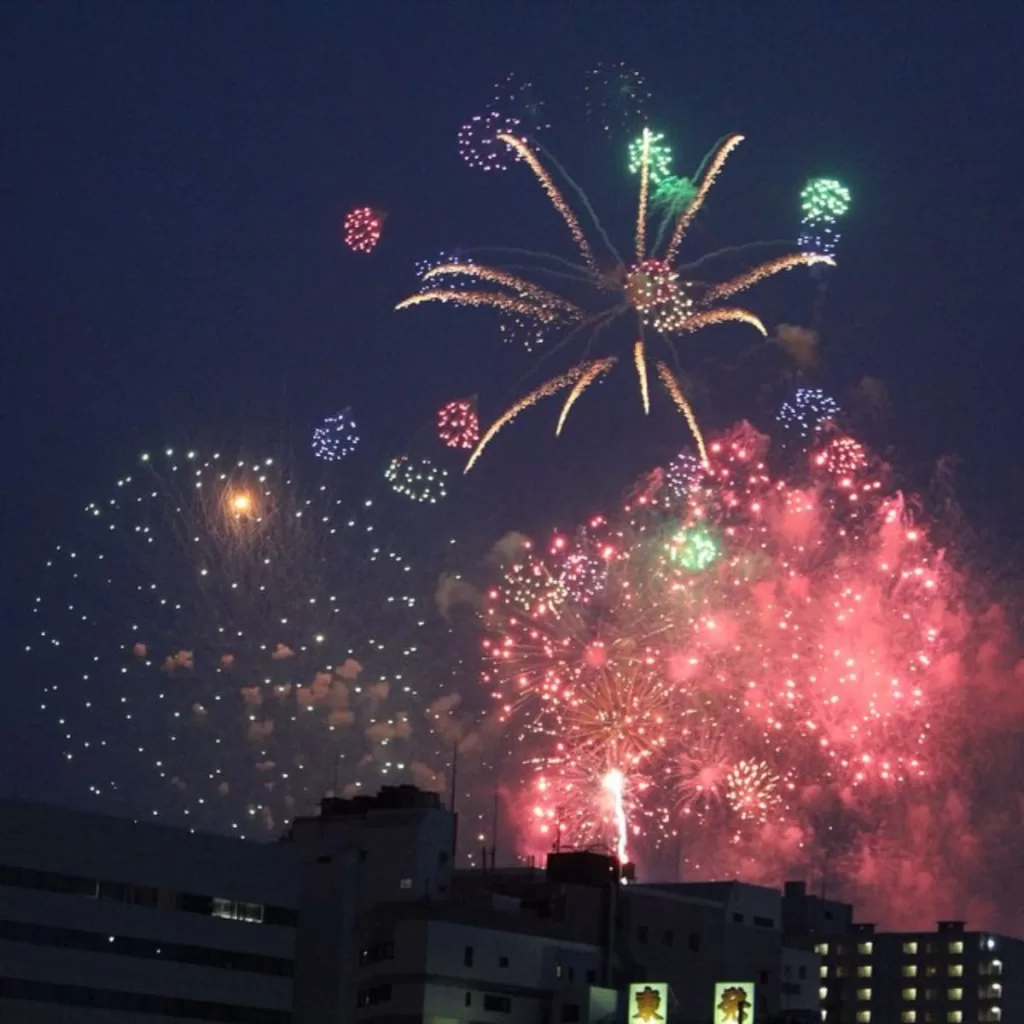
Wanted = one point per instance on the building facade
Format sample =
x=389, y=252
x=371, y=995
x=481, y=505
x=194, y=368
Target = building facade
x=357, y=917
x=105, y=921
x=948, y=976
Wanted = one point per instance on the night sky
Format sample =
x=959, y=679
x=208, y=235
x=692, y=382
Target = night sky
x=173, y=178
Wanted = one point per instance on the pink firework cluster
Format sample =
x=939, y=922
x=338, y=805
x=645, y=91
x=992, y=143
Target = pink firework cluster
x=361, y=229
x=458, y=425
x=768, y=669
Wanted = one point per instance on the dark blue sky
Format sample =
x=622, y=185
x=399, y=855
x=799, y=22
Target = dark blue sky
x=173, y=175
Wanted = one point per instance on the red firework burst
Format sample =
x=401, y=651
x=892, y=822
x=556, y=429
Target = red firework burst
x=458, y=425
x=361, y=229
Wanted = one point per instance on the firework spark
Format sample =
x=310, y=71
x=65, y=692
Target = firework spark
x=747, y=653
x=244, y=638
x=646, y=300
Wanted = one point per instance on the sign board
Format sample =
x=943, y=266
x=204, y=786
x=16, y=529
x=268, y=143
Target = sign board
x=734, y=1002
x=648, y=1003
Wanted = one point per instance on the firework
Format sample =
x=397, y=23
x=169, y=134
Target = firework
x=758, y=656
x=823, y=203
x=520, y=100
x=458, y=425
x=807, y=412
x=751, y=788
x=843, y=456
x=683, y=474
x=616, y=97
x=645, y=300
x=659, y=156
x=480, y=143
x=361, y=229
x=336, y=437
x=223, y=643
x=417, y=479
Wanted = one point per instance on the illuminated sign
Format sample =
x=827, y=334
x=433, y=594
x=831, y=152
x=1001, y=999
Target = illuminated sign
x=648, y=1003
x=734, y=1002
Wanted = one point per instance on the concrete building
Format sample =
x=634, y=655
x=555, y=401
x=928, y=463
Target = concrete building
x=389, y=933
x=104, y=921
x=357, y=916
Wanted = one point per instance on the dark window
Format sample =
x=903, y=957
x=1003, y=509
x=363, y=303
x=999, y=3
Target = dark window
x=764, y=977
x=497, y=1004
x=787, y=971
x=641, y=934
x=144, y=949
x=145, y=896
x=137, y=1003
x=467, y=956
x=442, y=858
x=323, y=859
x=374, y=995
x=469, y=998
x=791, y=988
x=738, y=918
x=667, y=938
x=572, y=973
x=802, y=972
x=281, y=916
x=376, y=953
x=694, y=942
x=591, y=977
x=828, y=915
x=503, y=961
x=570, y=1013
x=764, y=922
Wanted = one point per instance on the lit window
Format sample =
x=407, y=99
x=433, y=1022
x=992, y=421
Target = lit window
x=910, y=970
x=955, y=1016
x=955, y=994
x=405, y=883
x=821, y=949
x=990, y=943
x=823, y=992
x=864, y=971
x=864, y=994
x=909, y=1017
x=863, y=1016
x=956, y=970
x=956, y=947
x=234, y=910
x=910, y=994
x=865, y=948
x=910, y=947
x=823, y=971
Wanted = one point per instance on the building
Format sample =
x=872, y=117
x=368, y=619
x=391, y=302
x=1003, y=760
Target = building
x=105, y=921
x=390, y=933
x=357, y=917
x=948, y=976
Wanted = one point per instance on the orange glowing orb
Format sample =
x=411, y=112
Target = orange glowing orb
x=241, y=503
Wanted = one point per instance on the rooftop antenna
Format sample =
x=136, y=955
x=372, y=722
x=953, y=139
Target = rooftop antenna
x=494, y=831
x=451, y=801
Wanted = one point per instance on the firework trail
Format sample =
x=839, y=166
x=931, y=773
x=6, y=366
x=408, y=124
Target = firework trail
x=648, y=299
x=248, y=640
x=770, y=663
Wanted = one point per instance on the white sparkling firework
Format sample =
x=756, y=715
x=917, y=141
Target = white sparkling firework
x=248, y=641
